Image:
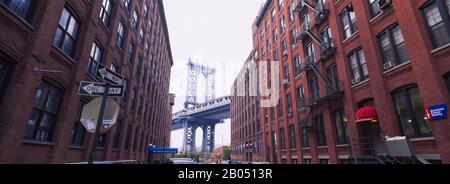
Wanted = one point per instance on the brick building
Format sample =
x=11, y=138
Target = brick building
x=353, y=73
x=246, y=128
x=48, y=47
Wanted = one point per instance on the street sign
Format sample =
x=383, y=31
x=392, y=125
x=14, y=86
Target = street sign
x=109, y=76
x=91, y=111
x=98, y=89
x=437, y=112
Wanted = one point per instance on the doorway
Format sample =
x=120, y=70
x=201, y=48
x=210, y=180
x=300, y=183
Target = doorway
x=371, y=139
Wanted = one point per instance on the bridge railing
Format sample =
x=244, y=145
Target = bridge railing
x=202, y=107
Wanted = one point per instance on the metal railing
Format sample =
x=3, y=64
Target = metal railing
x=111, y=162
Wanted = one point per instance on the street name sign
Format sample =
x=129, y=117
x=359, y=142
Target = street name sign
x=98, y=89
x=109, y=76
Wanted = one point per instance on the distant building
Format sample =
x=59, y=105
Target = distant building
x=40, y=111
x=246, y=130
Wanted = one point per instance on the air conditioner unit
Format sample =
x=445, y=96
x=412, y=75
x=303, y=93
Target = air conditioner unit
x=285, y=53
x=385, y=4
x=356, y=81
x=388, y=65
x=285, y=81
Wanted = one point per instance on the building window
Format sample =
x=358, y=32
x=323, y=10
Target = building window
x=282, y=139
x=305, y=136
x=21, y=8
x=294, y=38
x=120, y=35
x=320, y=130
x=66, y=32
x=95, y=58
x=307, y=161
x=292, y=142
x=286, y=73
x=437, y=17
x=275, y=36
x=340, y=122
x=280, y=108
x=45, y=113
x=358, y=66
x=314, y=88
x=374, y=7
x=273, y=15
x=283, y=24
x=333, y=78
x=145, y=12
x=294, y=161
x=309, y=53
x=78, y=131
x=135, y=20
x=289, y=104
x=128, y=137
x=274, y=142
x=131, y=53
x=117, y=132
x=297, y=66
x=141, y=36
x=105, y=12
x=348, y=21
x=4, y=69
x=393, y=47
x=133, y=99
x=135, y=143
x=126, y=3
x=291, y=11
x=300, y=97
x=324, y=161
x=410, y=112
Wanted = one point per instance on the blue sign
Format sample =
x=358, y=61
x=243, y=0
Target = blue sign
x=436, y=112
x=163, y=150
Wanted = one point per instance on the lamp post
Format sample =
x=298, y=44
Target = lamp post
x=223, y=149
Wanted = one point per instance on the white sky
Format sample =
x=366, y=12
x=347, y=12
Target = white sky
x=217, y=33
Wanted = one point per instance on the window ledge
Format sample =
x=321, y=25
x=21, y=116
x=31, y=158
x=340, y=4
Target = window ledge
x=60, y=52
x=34, y=142
x=396, y=67
x=440, y=48
x=422, y=139
x=381, y=14
x=75, y=147
x=342, y=145
x=360, y=83
x=322, y=147
x=308, y=148
x=350, y=37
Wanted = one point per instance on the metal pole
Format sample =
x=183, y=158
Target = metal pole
x=97, y=128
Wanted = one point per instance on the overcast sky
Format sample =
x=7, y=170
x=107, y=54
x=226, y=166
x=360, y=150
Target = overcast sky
x=217, y=33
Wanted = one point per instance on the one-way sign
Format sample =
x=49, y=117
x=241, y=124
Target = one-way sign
x=98, y=89
x=108, y=75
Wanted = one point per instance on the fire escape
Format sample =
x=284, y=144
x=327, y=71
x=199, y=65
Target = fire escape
x=334, y=88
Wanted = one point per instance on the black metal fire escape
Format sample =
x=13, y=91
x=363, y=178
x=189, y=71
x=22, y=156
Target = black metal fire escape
x=334, y=89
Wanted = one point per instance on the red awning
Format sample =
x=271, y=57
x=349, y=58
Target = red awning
x=365, y=114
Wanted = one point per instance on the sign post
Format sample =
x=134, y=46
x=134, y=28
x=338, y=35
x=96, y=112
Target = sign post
x=108, y=90
x=97, y=128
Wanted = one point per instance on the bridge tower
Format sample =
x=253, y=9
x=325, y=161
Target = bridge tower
x=194, y=72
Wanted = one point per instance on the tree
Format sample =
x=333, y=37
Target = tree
x=227, y=153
